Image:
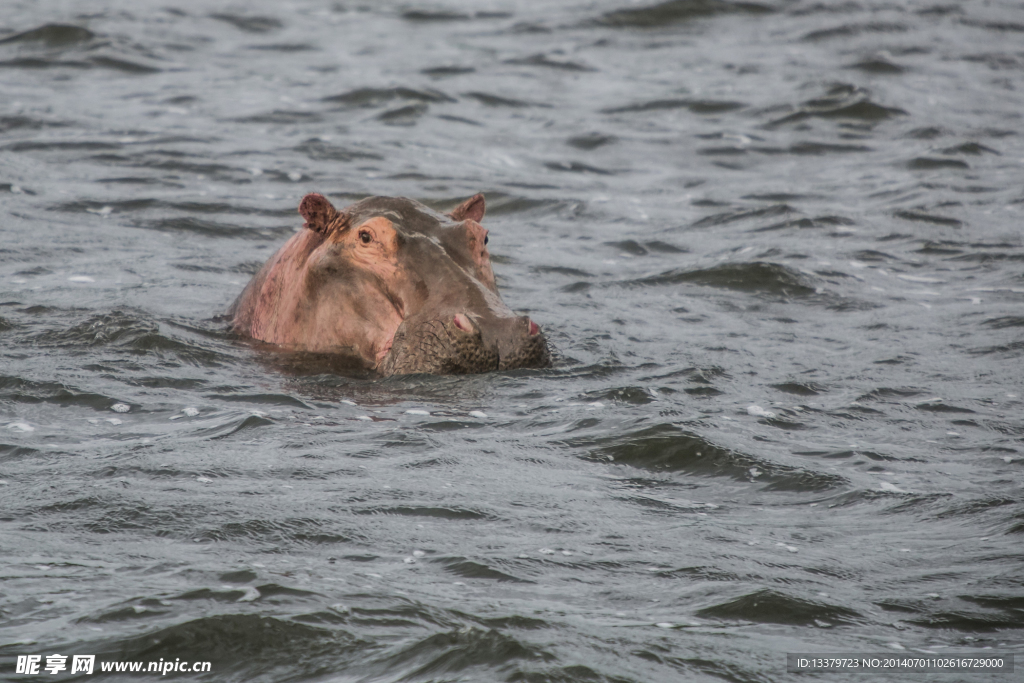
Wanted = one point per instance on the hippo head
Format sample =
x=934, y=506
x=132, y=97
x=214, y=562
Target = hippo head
x=394, y=283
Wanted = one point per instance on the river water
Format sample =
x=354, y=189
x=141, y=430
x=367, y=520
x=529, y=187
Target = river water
x=776, y=247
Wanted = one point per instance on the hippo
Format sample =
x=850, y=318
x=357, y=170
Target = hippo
x=393, y=284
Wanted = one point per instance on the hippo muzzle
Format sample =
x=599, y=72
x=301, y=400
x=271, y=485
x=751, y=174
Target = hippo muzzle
x=402, y=288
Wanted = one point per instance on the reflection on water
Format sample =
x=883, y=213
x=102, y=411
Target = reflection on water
x=775, y=245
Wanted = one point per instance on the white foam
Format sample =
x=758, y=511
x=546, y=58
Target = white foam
x=918, y=278
x=250, y=595
x=758, y=411
x=190, y=411
x=113, y=420
x=479, y=414
x=21, y=427
x=890, y=488
x=120, y=407
x=417, y=412
x=80, y=278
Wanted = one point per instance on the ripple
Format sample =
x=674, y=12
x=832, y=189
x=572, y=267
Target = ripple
x=490, y=100
x=677, y=11
x=461, y=566
x=450, y=513
x=132, y=333
x=759, y=277
x=424, y=16
x=800, y=388
x=733, y=216
x=842, y=102
x=695, y=106
x=446, y=71
x=922, y=217
x=668, y=448
x=290, y=532
x=249, y=23
x=208, y=228
x=374, y=97
x=52, y=35
x=971, y=622
x=283, y=116
x=236, y=642
x=318, y=150
x=464, y=651
x=232, y=427
x=932, y=163
x=20, y=390
x=878, y=65
x=11, y=452
x=590, y=141
x=403, y=116
x=125, y=65
x=1004, y=322
x=773, y=607
x=283, y=400
x=545, y=61
x=576, y=167
x=851, y=30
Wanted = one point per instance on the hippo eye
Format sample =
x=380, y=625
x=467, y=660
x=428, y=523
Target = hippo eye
x=485, y=239
x=365, y=236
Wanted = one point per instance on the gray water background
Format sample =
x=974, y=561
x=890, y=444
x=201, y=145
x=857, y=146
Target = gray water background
x=776, y=246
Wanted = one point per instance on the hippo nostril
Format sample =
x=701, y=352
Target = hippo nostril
x=534, y=328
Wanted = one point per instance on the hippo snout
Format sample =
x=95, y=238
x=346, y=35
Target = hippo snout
x=521, y=344
x=466, y=343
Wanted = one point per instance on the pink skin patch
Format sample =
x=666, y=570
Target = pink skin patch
x=462, y=322
x=534, y=328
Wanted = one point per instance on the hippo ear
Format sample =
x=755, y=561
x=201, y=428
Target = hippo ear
x=472, y=209
x=320, y=214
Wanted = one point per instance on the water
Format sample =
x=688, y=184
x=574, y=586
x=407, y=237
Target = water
x=776, y=246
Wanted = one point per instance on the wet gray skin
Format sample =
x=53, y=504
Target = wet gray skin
x=433, y=272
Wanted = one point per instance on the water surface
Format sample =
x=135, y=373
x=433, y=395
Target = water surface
x=776, y=245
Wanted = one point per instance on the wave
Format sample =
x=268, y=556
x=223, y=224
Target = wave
x=759, y=277
x=677, y=11
x=774, y=607
x=668, y=448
